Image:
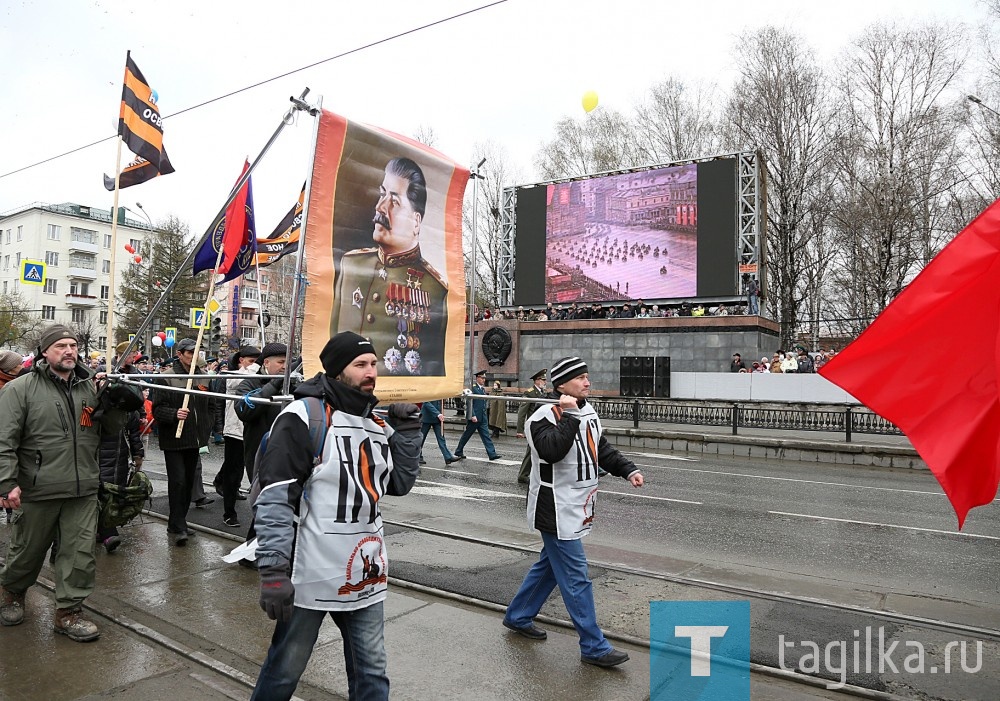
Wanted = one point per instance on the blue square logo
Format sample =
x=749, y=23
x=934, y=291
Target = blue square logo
x=699, y=650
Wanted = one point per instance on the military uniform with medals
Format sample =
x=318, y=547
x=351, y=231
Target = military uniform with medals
x=397, y=301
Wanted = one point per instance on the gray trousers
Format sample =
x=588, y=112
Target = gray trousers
x=73, y=523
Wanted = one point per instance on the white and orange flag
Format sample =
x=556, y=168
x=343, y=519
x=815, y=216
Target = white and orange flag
x=383, y=252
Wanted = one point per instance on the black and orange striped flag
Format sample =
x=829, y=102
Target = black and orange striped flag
x=141, y=128
x=285, y=238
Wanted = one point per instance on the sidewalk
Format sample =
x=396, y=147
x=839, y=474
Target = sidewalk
x=188, y=626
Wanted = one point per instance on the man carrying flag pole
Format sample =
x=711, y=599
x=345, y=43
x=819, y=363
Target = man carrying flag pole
x=949, y=411
x=141, y=129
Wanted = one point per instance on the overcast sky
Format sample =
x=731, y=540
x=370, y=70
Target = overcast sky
x=503, y=74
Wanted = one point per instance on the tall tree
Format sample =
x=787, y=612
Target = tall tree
x=897, y=161
x=677, y=121
x=163, y=253
x=601, y=141
x=17, y=320
x=497, y=173
x=780, y=106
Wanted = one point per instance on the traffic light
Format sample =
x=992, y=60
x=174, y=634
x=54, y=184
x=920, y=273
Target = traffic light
x=216, y=336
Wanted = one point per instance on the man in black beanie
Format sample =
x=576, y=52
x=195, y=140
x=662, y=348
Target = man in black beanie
x=338, y=549
x=257, y=417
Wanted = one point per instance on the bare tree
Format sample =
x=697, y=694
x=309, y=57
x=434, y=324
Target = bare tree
x=780, y=106
x=676, y=122
x=425, y=135
x=17, y=320
x=497, y=173
x=603, y=140
x=897, y=161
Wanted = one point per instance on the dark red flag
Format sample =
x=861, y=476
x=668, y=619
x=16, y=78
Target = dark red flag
x=904, y=366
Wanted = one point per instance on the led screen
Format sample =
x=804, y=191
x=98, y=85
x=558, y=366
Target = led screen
x=658, y=234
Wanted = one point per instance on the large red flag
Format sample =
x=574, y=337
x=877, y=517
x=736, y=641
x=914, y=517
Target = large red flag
x=904, y=366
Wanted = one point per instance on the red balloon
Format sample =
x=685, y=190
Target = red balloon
x=162, y=335
x=138, y=259
x=128, y=247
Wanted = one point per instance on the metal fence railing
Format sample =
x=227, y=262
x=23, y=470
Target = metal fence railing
x=844, y=419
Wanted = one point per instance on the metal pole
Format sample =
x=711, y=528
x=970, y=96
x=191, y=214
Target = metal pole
x=184, y=268
x=475, y=175
x=300, y=253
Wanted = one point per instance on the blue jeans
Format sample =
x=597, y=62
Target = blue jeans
x=484, y=433
x=439, y=434
x=562, y=563
x=292, y=645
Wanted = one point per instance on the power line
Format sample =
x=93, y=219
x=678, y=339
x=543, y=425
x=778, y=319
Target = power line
x=271, y=80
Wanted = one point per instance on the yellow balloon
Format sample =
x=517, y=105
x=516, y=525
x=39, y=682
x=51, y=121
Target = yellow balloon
x=589, y=100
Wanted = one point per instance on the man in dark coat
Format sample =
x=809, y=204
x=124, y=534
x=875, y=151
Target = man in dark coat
x=477, y=421
x=257, y=417
x=181, y=454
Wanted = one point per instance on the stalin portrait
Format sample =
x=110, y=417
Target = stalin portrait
x=388, y=292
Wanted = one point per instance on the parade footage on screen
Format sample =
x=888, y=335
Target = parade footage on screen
x=623, y=237
x=662, y=233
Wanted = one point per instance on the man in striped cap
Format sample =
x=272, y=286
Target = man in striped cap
x=567, y=450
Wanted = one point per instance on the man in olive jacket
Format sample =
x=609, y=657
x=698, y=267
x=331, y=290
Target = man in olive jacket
x=523, y=412
x=51, y=420
x=181, y=454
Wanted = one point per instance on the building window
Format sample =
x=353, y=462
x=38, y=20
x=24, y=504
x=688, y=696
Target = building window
x=105, y=266
x=6, y=262
x=248, y=332
x=79, y=288
x=82, y=260
x=79, y=316
x=48, y=313
x=53, y=232
x=102, y=341
x=136, y=245
x=107, y=240
x=8, y=235
x=50, y=286
x=17, y=261
x=84, y=235
x=104, y=317
x=20, y=231
x=104, y=291
x=5, y=287
x=52, y=258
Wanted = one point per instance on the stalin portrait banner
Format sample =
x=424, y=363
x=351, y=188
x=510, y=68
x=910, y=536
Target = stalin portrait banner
x=383, y=251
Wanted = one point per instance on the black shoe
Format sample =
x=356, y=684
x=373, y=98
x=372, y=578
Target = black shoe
x=203, y=502
x=613, y=658
x=178, y=539
x=240, y=497
x=231, y=522
x=495, y=457
x=249, y=564
x=523, y=481
x=449, y=461
x=422, y=461
x=459, y=456
x=111, y=543
x=218, y=490
x=531, y=631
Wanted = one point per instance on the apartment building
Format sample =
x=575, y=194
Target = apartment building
x=74, y=242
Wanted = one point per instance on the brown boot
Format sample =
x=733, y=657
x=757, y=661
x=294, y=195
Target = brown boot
x=11, y=607
x=71, y=623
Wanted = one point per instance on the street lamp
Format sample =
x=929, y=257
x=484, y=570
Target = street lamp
x=142, y=211
x=975, y=99
x=476, y=175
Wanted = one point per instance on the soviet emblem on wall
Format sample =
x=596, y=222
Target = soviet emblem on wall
x=496, y=345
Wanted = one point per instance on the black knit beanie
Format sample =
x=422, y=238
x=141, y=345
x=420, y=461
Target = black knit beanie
x=53, y=333
x=341, y=350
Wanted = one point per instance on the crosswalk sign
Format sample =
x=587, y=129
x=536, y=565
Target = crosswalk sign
x=199, y=319
x=32, y=273
x=171, y=332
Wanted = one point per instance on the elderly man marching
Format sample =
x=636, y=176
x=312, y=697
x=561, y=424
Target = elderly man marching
x=567, y=449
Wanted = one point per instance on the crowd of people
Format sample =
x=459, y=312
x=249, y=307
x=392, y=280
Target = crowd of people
x=336, y=545
x=627, y=310
x=798, y=361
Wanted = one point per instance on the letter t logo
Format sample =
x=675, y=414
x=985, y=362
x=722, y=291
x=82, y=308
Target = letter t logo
x=701, y=644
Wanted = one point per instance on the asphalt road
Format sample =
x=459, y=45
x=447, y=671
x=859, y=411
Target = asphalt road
x=877, y=539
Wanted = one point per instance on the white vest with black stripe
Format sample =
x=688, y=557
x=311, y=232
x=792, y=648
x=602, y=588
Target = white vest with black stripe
x=566, y=489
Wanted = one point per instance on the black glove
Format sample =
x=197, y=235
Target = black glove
x=404, y=417
x=277, y=594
